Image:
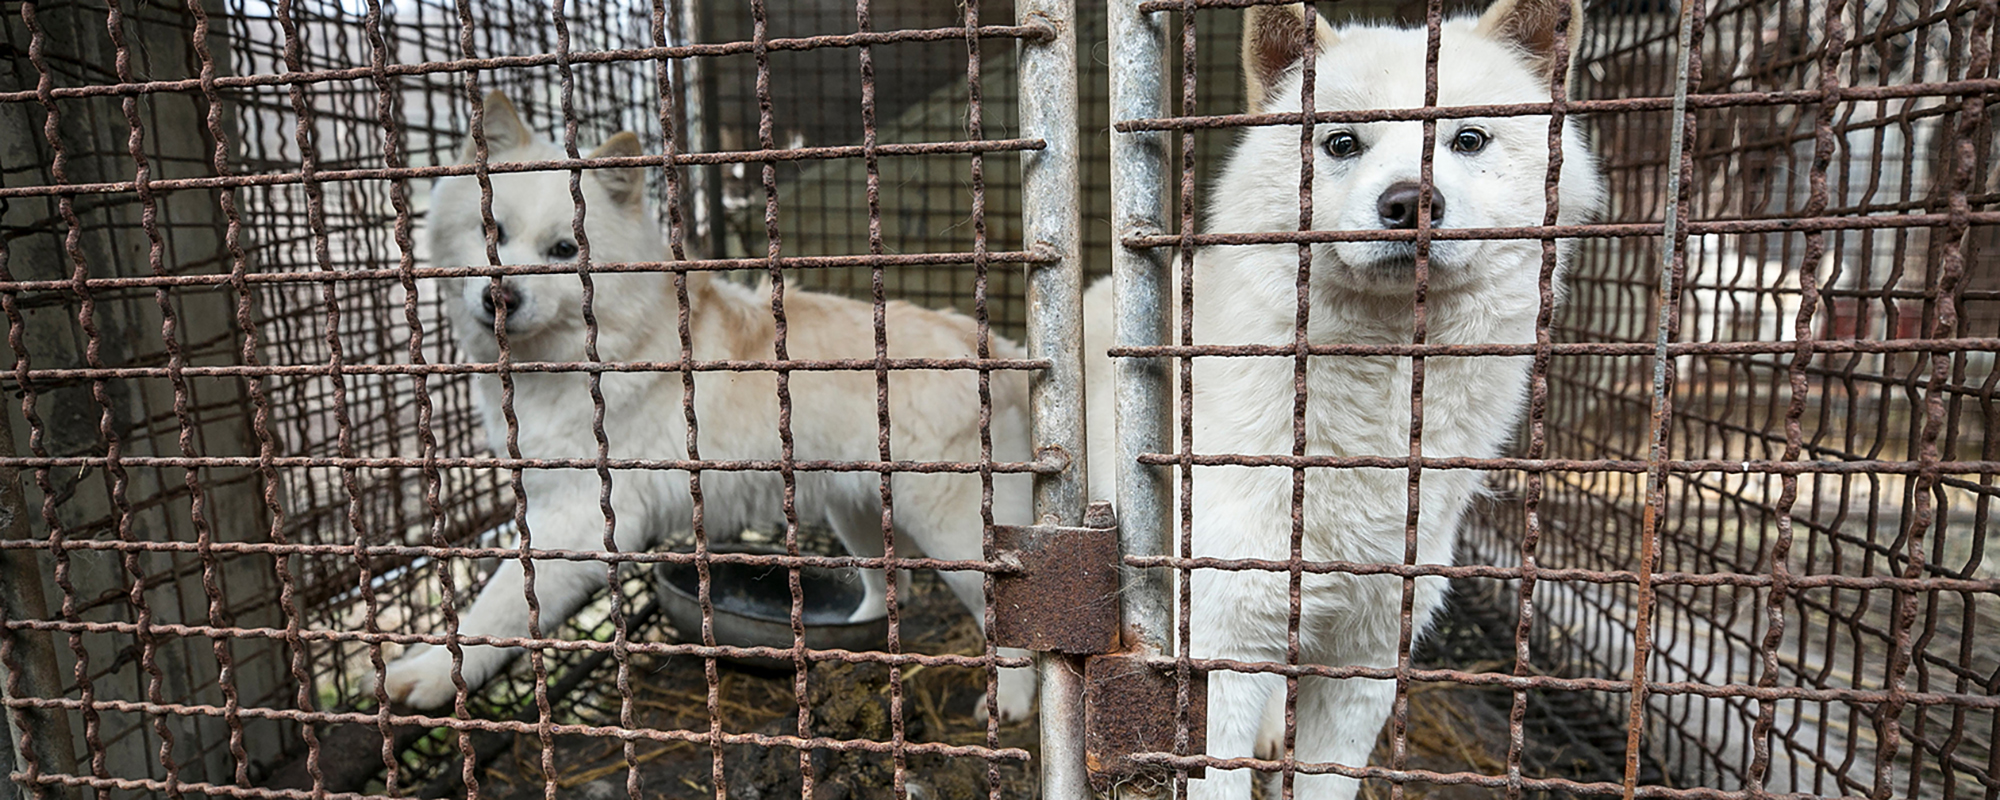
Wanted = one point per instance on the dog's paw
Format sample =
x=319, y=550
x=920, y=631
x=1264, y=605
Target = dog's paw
x=1017, y=696
x=1014, y=706
x=874, y=603
x=871, y=610
x=1271, y=741
x=1011, y=710
x=421, y=678
x=1271, y=728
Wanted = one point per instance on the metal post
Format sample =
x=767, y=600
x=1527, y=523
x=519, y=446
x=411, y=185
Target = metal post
x=1141, y=281
x=1052, y=220
x=704, y=192
x=1673, y=259
x=1139, y=200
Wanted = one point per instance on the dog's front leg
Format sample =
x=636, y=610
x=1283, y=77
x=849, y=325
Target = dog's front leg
x=562, y=515
x=1226, y=623
x=1235, y=709
x=1339, y=720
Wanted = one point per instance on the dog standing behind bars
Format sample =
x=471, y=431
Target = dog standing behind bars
x=1487, y=172
x=934, y=414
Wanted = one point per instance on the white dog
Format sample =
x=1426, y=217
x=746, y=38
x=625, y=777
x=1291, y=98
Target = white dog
x=934, y=414
x=1488, y=172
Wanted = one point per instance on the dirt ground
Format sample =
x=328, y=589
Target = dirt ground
x=848, y=701
x=1458, y=728
x=1450, y=728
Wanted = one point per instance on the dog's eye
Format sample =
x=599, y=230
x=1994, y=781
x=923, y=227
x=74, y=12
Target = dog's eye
x=1470, y=140
x=562, y=250
x=499, y=233
x=1343, y=145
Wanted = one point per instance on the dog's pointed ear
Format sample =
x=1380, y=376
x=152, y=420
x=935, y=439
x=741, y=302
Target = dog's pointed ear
x=502, y=127
x=1546, y=31
x=1274, y=40
x=624, y=184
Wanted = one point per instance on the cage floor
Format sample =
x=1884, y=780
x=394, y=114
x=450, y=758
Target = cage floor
x=1462, y=728
x=1451, y=728
x=848, y=701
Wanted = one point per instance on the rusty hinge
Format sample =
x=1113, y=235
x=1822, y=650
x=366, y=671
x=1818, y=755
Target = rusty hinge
x=1062, y=595
x=1131, y=705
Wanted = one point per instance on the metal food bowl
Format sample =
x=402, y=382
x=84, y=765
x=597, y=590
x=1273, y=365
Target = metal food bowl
x=753, y=605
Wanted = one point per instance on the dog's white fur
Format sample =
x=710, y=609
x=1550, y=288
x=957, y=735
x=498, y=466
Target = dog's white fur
x=1360, y=292
x=934, y=414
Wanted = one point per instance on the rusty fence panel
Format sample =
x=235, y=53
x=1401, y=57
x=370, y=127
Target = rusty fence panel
x=1739, y=548
x=1740, y=545
x=254, y=461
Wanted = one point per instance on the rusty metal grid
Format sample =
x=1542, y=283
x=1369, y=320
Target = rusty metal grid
x=1822, y=638
x=250, y=468
x=1746, y=516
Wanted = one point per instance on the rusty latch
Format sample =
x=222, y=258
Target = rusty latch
x=1129, y=706
x=1062, y=596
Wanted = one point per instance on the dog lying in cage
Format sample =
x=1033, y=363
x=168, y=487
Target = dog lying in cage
x=935, y=414
x=1487, y=172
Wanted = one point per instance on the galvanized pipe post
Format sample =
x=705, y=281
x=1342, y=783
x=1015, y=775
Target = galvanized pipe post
x=1141, y=279
x=1143, y=307
x=1052, y=221
x=1141, y=282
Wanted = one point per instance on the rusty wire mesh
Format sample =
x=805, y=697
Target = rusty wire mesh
x=250, y=466
x=1840, y=574
x=1756, y=545
x=187, y=261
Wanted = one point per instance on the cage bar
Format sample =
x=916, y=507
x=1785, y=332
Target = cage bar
x=1051, y=212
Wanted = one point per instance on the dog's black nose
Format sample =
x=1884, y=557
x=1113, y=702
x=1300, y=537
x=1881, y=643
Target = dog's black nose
x=1398, y=206
x=499, y=297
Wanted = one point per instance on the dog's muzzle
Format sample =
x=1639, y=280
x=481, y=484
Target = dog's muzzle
x=1396, y=209
x=1398, y=206
x=499, y=297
